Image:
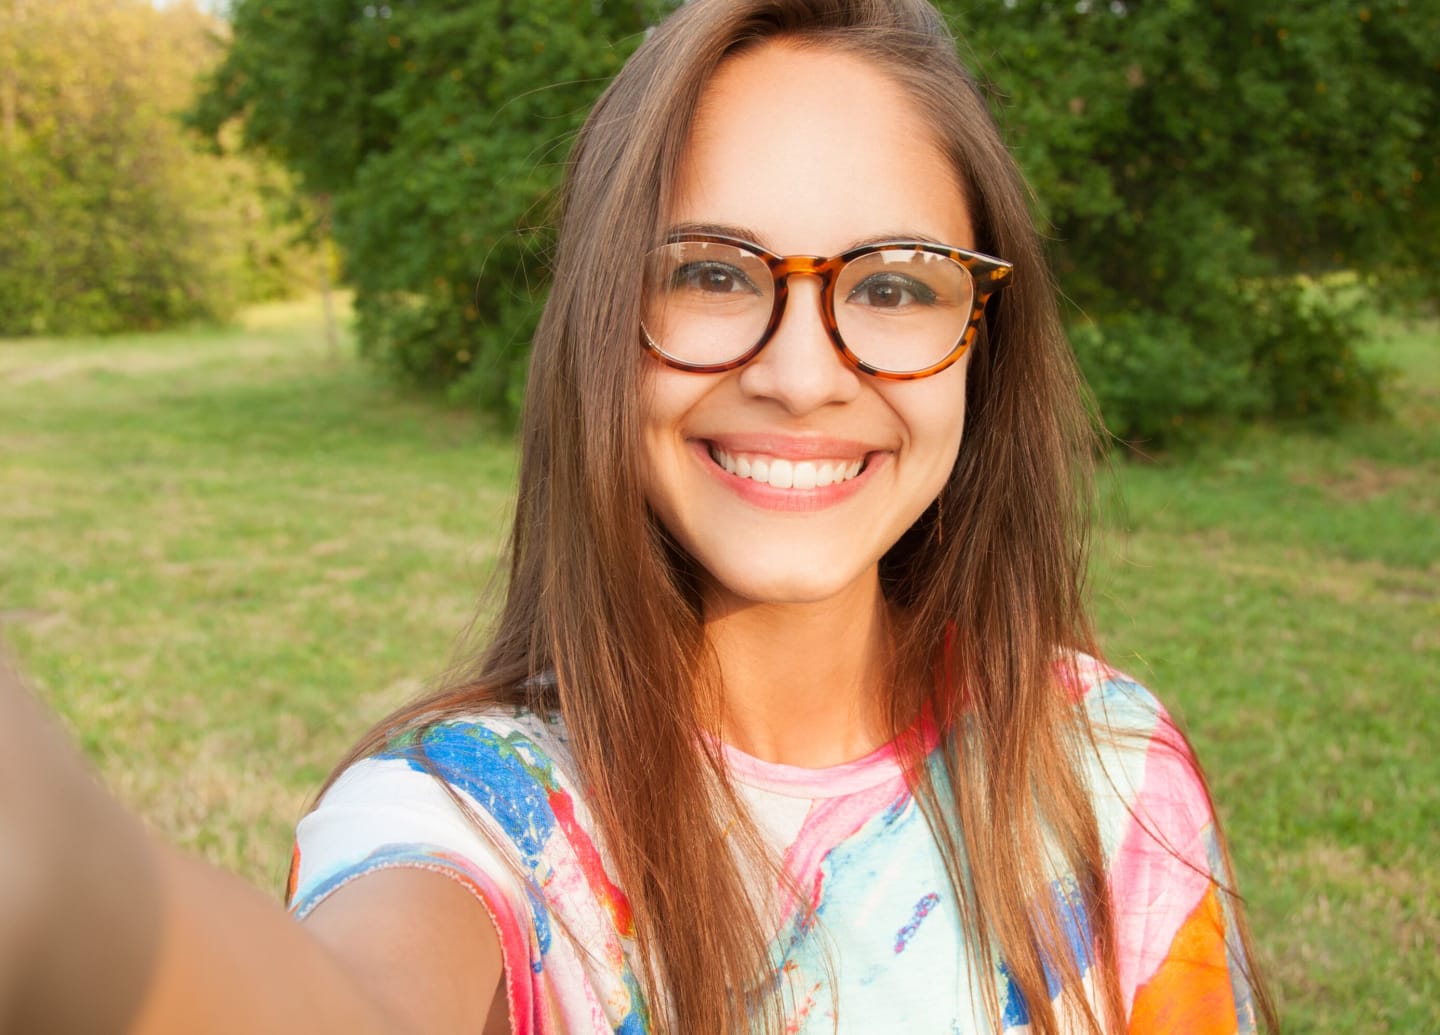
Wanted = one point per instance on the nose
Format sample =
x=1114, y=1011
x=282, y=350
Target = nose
x=799, y=367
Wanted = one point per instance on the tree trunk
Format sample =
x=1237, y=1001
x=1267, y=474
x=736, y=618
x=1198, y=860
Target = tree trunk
x=327, y=289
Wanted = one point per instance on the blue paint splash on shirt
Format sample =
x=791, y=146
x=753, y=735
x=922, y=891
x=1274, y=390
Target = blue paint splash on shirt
x=633, y=1024
x=922, y=910
x=495, y=772
x=1075, y=925
x=540, y=913
x=1016, y=1011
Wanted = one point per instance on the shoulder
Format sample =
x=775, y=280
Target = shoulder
x=500, y=755
x=492, y=801
x=1110, y=700
x=1126, y=723
x=1143, y=774
x=491, y=757
x=470, y=795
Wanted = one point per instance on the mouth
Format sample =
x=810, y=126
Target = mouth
x=781, y=473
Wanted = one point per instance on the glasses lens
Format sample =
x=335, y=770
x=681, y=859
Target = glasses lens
x=706, y=303
x=901, y=310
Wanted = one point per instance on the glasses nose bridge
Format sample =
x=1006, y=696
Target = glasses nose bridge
x=782, y=269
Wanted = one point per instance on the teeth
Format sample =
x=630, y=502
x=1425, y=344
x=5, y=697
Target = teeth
x=787, y=474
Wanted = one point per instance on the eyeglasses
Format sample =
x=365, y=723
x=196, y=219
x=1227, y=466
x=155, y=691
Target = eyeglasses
x=899, y=310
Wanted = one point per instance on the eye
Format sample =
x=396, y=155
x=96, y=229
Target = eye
x=710, y=277
x=891, y=291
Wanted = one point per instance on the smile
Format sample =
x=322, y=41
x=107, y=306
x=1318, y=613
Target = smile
x=780, y=473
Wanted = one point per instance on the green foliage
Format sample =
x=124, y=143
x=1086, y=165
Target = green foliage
x=1189, y=157
x=439, y=131
x=1156, y=380
x=110, y=216
x=1284, y=350
x=1305, y=357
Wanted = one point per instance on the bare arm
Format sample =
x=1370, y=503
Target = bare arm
x=104, y=929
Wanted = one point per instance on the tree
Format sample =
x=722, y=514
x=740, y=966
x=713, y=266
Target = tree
x=110, y=218
x=437, y=132
x=1189, y=158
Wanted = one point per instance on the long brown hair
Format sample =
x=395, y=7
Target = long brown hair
x=600, y=619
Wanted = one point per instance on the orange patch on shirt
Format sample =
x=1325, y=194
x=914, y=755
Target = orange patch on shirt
x=293, y=877
x=1191, y=990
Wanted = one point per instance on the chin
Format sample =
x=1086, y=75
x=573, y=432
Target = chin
x=779, y=588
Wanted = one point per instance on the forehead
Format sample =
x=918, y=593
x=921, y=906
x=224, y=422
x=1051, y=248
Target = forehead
x=812, y=149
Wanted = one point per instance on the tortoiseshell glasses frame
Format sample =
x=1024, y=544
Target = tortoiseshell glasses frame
x=986, y=274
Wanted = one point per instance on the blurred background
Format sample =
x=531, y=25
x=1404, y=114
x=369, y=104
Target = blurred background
x=268, y=272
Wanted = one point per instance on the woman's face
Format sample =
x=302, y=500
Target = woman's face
x=804, y=151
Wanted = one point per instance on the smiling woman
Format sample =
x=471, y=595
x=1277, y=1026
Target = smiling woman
x=791, y=719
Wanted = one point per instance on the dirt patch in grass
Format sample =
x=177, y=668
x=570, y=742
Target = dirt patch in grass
x=1297, y=571
x=29, y=616
x=1363, y=479
x=44, y=365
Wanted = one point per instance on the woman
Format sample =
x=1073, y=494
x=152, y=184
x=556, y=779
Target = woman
x=788, y=722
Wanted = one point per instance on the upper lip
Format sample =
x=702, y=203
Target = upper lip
x=792, y=447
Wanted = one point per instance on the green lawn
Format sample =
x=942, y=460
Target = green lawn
x=1283, y=595
x=225, y=554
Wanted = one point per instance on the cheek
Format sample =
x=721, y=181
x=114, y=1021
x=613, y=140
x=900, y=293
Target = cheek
x=946, y=449
x=667, y=399
x=652, y=454
x=954, y=431
x=933, y=412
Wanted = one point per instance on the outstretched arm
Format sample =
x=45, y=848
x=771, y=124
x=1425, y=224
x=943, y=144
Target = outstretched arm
x=105, y=929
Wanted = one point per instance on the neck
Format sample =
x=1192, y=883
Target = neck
x=803, y=684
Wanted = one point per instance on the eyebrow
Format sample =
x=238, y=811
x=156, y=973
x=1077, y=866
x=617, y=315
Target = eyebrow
x=746, y=234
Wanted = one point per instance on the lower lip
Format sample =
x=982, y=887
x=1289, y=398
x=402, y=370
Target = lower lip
x=802, y=501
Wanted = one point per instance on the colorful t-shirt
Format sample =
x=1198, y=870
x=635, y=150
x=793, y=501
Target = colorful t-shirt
x=888, y=953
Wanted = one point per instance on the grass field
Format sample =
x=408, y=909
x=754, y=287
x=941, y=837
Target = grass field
x=224, y=554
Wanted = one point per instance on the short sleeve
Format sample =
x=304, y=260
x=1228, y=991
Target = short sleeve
x=382, y=813
x=1182, y=966
x=495, y=807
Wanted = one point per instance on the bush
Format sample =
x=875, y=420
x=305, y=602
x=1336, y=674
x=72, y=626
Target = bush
x=1189, y=159
x=1305, y=358
x=440, y=132
x=1285, y=350
x=111, y=217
